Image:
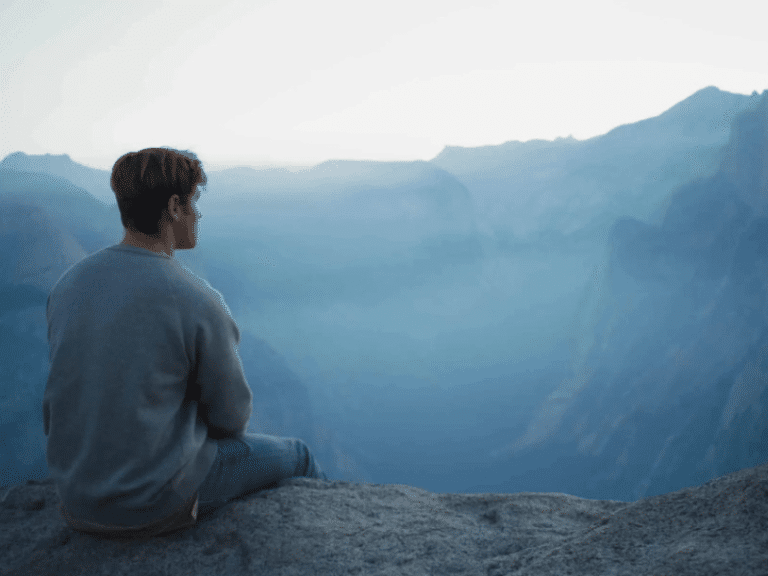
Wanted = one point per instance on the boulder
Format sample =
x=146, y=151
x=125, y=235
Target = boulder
x=306, y=526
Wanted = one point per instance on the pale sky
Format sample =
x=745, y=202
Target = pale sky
x=302, y=81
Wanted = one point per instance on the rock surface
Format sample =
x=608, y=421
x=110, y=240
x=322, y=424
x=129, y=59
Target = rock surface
x=306, y=526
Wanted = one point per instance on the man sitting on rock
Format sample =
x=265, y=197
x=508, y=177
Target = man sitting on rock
x=146, y=406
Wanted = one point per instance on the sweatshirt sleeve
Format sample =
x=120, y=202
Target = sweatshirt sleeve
x=225, y=399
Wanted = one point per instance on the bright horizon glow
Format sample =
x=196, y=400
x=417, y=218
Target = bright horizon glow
x=300, y=82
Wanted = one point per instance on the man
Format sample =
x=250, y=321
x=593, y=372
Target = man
x=146, y=406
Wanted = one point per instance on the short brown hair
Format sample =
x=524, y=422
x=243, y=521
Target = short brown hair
x=144, y=181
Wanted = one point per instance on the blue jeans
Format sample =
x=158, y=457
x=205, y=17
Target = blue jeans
x=252, y=462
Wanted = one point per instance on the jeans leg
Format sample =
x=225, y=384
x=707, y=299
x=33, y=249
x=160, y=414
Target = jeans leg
x=251, y=462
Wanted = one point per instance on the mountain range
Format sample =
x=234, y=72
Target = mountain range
x=571, y=316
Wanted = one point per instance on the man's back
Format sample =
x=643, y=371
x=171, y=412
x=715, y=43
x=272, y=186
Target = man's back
x=144, y=362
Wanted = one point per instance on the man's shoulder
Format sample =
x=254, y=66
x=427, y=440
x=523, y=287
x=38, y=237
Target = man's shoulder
x=197, y=287
x=166, y=274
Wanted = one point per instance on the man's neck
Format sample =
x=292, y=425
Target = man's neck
x=153, y=245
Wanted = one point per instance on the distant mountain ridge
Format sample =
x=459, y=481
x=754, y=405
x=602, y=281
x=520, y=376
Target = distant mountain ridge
x=700, y=121
x=524, y=189
x=95, y=181
x=703, y=115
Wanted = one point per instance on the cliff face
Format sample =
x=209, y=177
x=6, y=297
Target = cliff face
x=306, y=526
x=674, y=390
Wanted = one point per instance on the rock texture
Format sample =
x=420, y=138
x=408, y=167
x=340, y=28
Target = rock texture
x=305, y=526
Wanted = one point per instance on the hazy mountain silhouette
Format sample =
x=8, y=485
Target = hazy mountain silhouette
x=95, y=181
x=525, y=189
x=674, y=389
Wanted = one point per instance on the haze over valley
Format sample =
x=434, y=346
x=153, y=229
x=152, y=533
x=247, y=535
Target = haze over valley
x=579, y=316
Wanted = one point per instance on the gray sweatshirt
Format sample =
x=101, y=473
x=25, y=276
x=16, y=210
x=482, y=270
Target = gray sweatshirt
x=144, y=374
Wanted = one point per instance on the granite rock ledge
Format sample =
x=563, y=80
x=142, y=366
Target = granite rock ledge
x=305, y=526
